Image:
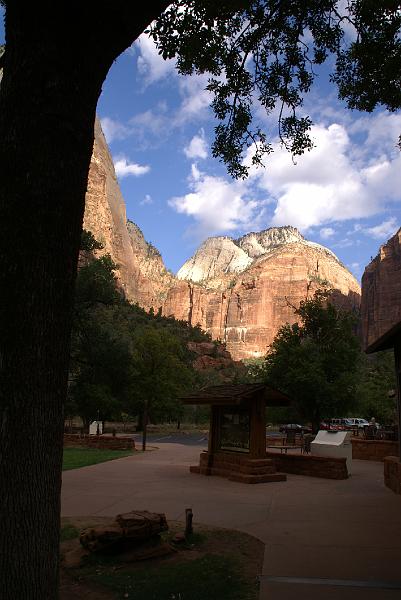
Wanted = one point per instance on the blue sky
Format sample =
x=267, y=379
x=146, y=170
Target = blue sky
x=344, y=194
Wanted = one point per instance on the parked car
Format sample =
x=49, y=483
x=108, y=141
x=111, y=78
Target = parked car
x=341, y=424
x=336, y=424
x=295, y=427
x=358, y=422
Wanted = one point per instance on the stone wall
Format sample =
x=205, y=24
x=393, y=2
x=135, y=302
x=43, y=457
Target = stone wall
x=392, y=473
x=101, y=441
x=311, y=466
x=373, y=449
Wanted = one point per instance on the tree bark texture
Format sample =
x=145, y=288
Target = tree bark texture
x=57, y=56
x=397, y=356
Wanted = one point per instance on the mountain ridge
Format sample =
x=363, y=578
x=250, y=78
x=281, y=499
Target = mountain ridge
x=219, y=255
x=246, y=286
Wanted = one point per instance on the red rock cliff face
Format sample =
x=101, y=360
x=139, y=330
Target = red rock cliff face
x=248, y=312
x=140, y=273
x=240, y=291
x=381, y=292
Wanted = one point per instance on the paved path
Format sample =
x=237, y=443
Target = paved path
x=335, y=540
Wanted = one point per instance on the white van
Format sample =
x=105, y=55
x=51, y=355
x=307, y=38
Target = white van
x=358, y=422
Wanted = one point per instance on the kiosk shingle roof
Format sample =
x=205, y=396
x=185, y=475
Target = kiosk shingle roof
x=233, y=394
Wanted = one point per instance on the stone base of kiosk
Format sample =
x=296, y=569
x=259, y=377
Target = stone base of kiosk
x=238, y=467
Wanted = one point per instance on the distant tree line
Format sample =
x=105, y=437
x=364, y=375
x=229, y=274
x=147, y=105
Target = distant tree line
x=318, y=362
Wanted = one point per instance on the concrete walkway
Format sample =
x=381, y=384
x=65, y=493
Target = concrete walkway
x=324, y=539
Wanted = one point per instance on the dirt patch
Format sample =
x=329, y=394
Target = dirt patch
x=73, y=589
x=77, y=583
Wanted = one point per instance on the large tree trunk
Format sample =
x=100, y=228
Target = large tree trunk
x=397, y=356
x=57, y=56
x=316, y=422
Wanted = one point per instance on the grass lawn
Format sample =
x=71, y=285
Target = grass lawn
x=215, y=564
x=75, y=458
x=207, y=577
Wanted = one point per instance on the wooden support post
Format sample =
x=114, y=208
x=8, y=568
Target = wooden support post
x=214, y=435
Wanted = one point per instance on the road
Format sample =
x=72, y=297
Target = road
x=187, y=439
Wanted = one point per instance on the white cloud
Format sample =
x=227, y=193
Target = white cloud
x=328, y=184
x=195, y=99
x=114, y=130
x=151, y=124
x=383, y=178
x=218, y=205
x=379, y=134
x=326, y=232
x=346, y=243
x=146, y=200
x=150, y=63
x=348, y=28
x=356, y=229
x=322, y=187
x=154, y=123
x=197, y=147
x=384, y=230
x=124, y=168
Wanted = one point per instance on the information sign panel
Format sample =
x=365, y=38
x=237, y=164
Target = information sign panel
x=235, y=429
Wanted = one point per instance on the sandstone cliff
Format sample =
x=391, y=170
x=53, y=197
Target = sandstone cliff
x=239, y=290
x=151, y=266
x=381, y=294
x=247, y=309
x=219, y=256
x=140, y=273
x=215, y=257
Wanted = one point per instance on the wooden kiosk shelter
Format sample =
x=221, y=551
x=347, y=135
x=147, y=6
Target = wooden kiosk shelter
x=237, y=436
